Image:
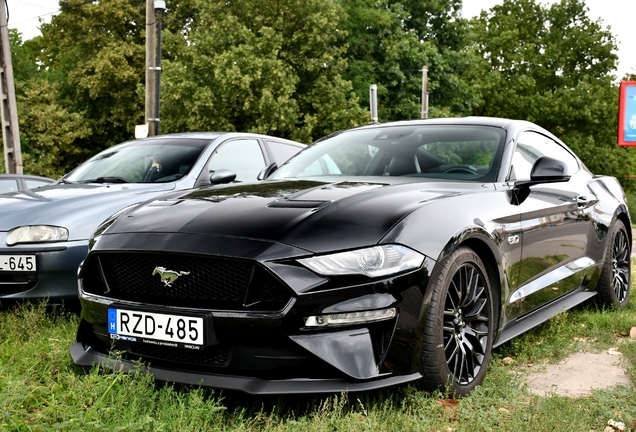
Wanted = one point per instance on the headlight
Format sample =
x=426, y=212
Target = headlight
x=350, y=318
x=37, y=234
x=373, y=262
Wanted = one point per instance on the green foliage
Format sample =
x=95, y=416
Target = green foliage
x=256, y=66
x=22, y=57
x=555, y=70
x=389, y=43
x=95, y=55
x=302, y=69
x=49, y=132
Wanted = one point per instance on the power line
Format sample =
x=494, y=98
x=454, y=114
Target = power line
x=49, y=13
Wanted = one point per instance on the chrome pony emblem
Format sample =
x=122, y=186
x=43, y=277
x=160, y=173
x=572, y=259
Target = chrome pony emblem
x=168, y=277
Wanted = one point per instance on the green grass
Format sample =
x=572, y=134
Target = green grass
x=41, y=389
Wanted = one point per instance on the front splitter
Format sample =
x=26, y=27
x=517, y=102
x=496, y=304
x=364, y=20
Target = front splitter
x=86, y=356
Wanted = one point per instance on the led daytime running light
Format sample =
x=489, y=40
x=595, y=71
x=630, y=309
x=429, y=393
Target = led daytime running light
x=350, y=318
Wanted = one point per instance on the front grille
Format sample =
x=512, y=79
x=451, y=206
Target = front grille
x=210, y=282
x=216, y=356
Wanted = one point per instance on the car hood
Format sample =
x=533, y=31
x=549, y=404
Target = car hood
x=78, y=207
x=316, y=216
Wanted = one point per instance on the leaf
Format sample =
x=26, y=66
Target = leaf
x=448, y=403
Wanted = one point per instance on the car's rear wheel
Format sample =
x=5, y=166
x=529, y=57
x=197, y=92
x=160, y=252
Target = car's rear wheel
x=613, y=284
x=458, y=332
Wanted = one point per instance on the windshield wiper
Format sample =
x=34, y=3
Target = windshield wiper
x=112, y=179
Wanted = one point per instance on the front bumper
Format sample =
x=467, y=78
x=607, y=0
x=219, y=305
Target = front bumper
x=258, y=346
x=56, y=276
x=86, y=356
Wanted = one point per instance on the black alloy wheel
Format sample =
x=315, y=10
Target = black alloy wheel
x=613, y=285
x=458, y=333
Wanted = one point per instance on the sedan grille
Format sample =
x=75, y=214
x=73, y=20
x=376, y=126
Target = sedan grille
x=204, y=282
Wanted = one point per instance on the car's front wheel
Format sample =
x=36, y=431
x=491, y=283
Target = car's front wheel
x=613, y=284
x=459, y=327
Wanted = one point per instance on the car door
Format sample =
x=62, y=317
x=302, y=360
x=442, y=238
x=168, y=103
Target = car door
x=555, y=223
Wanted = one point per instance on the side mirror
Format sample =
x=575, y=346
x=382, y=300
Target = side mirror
x=222, y=176
x=545, y=170
x=265, y=172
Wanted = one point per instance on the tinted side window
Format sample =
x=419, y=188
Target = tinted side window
x=281, y=152
x=9, y=185
x=531, y=146
x=243, y=156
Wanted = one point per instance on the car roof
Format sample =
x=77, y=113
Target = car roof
x=509, y=125
x=26, y=176
x=472, y=120
x=210, y=136
x=196, y=135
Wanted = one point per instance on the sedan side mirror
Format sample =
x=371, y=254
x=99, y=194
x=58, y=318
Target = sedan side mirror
x=267, y=171
x=222, y=176
x=545, y=170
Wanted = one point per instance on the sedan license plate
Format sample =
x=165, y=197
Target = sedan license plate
x=17, y=263
x=156, y=328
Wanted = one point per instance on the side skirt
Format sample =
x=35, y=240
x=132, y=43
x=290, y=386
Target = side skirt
x=522, y=324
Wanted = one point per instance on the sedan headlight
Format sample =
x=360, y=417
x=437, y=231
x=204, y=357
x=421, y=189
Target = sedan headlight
x=37, y=234
x=373, y=262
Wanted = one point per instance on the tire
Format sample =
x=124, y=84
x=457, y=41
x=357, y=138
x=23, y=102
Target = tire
x=613, y=284
x=458, y=331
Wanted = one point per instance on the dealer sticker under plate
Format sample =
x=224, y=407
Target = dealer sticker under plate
x=17, y=263
x=157, y=328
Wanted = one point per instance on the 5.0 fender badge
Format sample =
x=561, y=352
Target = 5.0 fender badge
x=168, y=277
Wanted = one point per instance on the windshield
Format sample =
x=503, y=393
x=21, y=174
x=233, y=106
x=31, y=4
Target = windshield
x=455, y=152
x=156, y=161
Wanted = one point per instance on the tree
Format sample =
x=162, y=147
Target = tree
x=556, y=70
x=388, y=44
x=95, y=56
x=48, y=131
x=259, y=66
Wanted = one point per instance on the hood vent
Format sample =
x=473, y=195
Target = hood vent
x=287, y=203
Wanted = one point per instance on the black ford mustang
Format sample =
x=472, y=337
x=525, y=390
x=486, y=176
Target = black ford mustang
x=381, y=255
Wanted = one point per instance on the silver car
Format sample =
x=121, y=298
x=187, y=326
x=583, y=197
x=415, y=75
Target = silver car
x=44, y=233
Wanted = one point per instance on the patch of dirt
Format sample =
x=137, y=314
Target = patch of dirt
x=578, y=374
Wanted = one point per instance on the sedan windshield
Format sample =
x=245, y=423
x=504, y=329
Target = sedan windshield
x=158, y=161
x=456, y=152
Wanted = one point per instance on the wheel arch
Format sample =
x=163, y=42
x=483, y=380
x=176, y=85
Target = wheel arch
x=623, y=216
x=486, y=248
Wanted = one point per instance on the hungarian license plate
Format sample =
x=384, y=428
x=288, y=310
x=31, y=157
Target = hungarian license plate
x=157, y=328
x=17, y=263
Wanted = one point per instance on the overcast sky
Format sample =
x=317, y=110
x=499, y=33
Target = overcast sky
x=23, y=15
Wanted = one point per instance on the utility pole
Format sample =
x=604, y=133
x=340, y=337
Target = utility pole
x=160, y=8
x=424, y=92
x=10, y=131
x=151, y=61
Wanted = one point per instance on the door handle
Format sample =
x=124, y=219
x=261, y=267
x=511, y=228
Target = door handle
x=583, y=201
